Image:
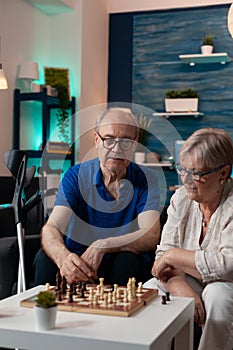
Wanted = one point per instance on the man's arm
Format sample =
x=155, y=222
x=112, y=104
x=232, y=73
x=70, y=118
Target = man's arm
x=52, y=241
x=144, y=239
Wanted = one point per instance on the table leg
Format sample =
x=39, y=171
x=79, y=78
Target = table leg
x=184, y=339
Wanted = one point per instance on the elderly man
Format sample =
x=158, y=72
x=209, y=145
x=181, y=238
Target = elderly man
x=106, y=215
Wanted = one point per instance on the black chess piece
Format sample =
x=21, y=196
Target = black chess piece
x=63, y=285
x=70, y=299
x=163, y=300
x=168, y=296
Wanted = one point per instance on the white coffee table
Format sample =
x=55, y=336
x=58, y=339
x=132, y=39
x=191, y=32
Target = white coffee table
x=151, y=328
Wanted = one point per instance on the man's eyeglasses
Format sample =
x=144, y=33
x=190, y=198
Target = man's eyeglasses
x=196, y=175
x=110, y=143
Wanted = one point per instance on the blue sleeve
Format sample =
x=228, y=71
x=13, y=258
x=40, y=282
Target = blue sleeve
x=68, y=190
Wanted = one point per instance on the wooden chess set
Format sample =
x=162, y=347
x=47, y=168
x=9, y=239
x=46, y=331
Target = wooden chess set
x=99, y=298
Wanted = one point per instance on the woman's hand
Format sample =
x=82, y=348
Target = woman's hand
x=161, y=269
x=174, y=280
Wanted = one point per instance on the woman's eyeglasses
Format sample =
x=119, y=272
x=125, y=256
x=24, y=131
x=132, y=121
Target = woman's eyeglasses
x=196, y=175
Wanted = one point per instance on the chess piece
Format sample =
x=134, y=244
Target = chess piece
x=58, y=281
x=139, y=287
x=109, y=297
x=63, y=285
x=105, y=302
x=114, y=297
x=125, y=298
x=59, y=295
x=133, y=287
x=91, y=295
x=163, y=300
x=101, y=280
x=95, y=299
x=70, y=295
x=74, y=291
x=168, y=296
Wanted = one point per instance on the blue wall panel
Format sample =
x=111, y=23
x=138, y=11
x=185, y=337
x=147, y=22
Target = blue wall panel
x=158, y=40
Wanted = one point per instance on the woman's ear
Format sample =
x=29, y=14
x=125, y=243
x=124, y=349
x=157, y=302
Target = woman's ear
x=225, y=172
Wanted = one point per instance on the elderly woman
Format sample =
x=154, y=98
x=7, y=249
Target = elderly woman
x=195, y=255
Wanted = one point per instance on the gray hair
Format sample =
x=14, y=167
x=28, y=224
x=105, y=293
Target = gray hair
x=128, y=115
x=209, y=148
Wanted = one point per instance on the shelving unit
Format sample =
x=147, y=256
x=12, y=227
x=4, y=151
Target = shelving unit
x=193, y=59
x=48, y=103
x=179, y=114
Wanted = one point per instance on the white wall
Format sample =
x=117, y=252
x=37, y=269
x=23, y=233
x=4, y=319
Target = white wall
x=94, y=75
x=147, y=5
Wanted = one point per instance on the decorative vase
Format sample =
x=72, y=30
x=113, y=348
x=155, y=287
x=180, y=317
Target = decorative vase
x=207, y=49
x=45, y=317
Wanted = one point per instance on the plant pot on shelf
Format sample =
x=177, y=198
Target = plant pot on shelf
x=181, y=104
x=207, y=49
x=139, y=157
x=207, y=45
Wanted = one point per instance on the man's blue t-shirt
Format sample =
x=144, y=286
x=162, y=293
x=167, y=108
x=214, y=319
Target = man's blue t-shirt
x=96, y=214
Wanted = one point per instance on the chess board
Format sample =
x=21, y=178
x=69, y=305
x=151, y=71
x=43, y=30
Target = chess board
x=118, y=307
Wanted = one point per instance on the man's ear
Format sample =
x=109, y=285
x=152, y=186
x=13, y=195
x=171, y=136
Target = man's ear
x=96, y=139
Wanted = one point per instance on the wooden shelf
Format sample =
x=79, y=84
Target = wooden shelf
x=200, y=58
x=179, y=114
x=53, y=7
x=157, y=165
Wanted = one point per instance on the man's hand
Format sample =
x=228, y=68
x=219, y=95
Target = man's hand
x=75, y=269
x=93, y=256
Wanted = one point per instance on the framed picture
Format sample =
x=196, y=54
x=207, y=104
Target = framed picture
x=57, y=77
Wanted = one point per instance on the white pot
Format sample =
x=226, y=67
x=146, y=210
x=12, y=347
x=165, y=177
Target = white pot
x=139, y=157
x=181, y=104
x=207, y=49
x=45, y=318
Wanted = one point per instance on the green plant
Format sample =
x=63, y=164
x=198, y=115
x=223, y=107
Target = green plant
x=187, y=93
x=46, y=299
x=144, y=125
x=63, y=113
x=59, y=79
x=207, y=40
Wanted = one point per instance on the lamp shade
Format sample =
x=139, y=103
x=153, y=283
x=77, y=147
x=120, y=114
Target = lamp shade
x=29, y=70
x=230, y=20
x=3, y=81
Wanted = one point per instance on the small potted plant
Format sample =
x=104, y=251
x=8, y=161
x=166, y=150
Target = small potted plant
x=144, y=125
x=207, y=46
x=181, y=101
x=45, y=310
